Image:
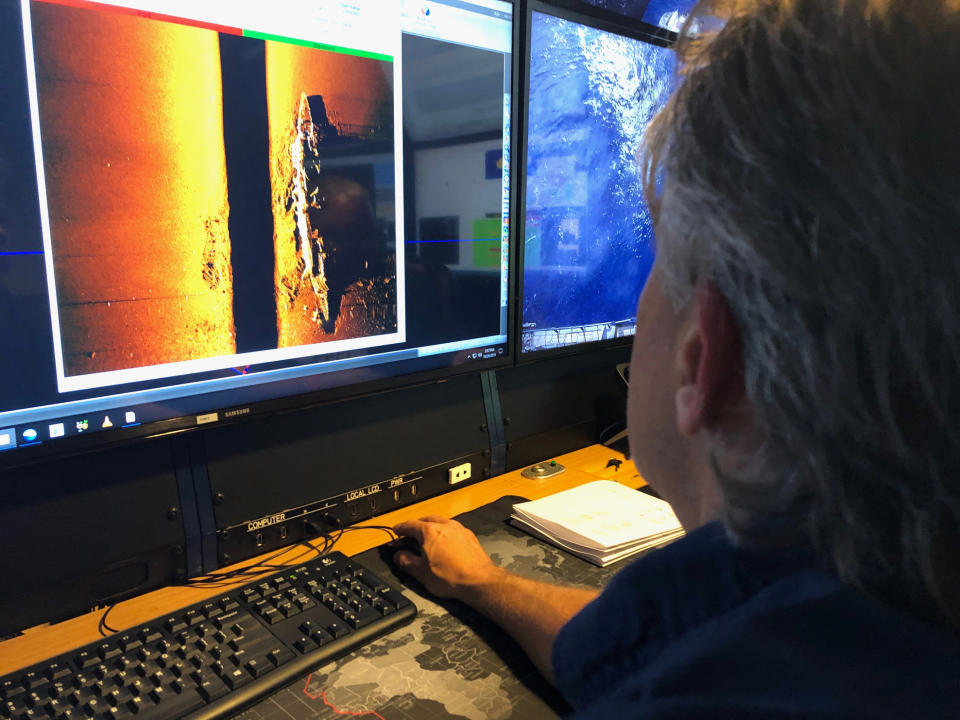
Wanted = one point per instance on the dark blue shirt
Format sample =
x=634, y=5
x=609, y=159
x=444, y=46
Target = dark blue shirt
x=704, y=629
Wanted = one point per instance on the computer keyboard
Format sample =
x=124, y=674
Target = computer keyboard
x=213, y=658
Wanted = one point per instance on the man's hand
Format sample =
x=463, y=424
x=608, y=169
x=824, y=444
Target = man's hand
x=453, y=564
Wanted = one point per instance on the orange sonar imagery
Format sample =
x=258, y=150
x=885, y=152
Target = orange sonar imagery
x=334, y=277
x=182, y=164
x=136, y=188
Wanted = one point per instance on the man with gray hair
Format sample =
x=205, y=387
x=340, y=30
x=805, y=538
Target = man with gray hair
x=794, y=387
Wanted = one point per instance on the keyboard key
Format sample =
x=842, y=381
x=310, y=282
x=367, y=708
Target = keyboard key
x=287, y=609
x=237, y=678
x=56, y=671
x=395, y=597
x=303, y=602
x=320, y=637
x=129, y=642
x=85, y=659
x=211, y=610
x=238, y=658
x=304, y=644
x=135, y=705
x=174, y=625
x=370, y=580
x=337, y=629
x=157, y=694
x=382, y=606
x=35, y=681
x=108, y=651
x=272, y=615
x=149, y=635
x=10, y=688
x=257, y=668
x=279, y=656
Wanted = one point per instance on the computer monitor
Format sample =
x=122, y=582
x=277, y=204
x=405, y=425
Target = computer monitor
x=587, y=234
x=667, y=14
x=215, y=210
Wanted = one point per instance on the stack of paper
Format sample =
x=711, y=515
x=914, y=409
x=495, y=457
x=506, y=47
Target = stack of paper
x=601, y=521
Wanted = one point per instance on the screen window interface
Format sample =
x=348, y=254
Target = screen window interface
x=207, y=205
x=588, y=244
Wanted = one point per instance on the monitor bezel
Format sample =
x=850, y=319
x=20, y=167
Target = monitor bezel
x=101, y=440
x=606, y=21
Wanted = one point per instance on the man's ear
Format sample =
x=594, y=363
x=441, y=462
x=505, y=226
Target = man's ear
x=711, y=364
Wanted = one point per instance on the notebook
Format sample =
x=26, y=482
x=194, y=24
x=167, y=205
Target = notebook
x=601, y=522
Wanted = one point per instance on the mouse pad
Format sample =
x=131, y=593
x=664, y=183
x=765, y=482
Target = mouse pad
x=450, y=662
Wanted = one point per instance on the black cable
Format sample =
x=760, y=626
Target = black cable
x=386, y=528
x=331, y=519
x=102, y=626
x=259, y=568
x=602, y=435
x=214, y=580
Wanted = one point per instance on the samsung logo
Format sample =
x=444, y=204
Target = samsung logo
x=266, y=522
x=239, y=411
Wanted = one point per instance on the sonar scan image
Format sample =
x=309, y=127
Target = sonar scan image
x=588, y=244
x=204, y=193
x=335, y=252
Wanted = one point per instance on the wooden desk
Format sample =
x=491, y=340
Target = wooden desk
x=46, y=641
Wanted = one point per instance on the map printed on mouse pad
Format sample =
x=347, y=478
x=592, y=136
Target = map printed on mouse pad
x=450, y=662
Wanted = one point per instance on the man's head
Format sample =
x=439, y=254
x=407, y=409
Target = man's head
x=810, y=204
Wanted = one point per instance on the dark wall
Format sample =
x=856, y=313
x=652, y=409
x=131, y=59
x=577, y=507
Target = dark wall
x=87, y=530
x=555, y=406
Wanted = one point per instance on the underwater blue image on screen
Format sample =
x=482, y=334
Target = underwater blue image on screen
x=588, y=244
x=630, y=8
x=669, y=14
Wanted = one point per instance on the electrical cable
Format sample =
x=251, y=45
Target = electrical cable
x=214, y=580
x=102, y=626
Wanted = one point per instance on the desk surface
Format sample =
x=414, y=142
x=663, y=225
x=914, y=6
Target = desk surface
x=582, y=466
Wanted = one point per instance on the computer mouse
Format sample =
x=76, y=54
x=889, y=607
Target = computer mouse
x=405, y=543
x=388, y=550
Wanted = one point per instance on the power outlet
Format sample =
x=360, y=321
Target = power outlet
x=459, y=473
